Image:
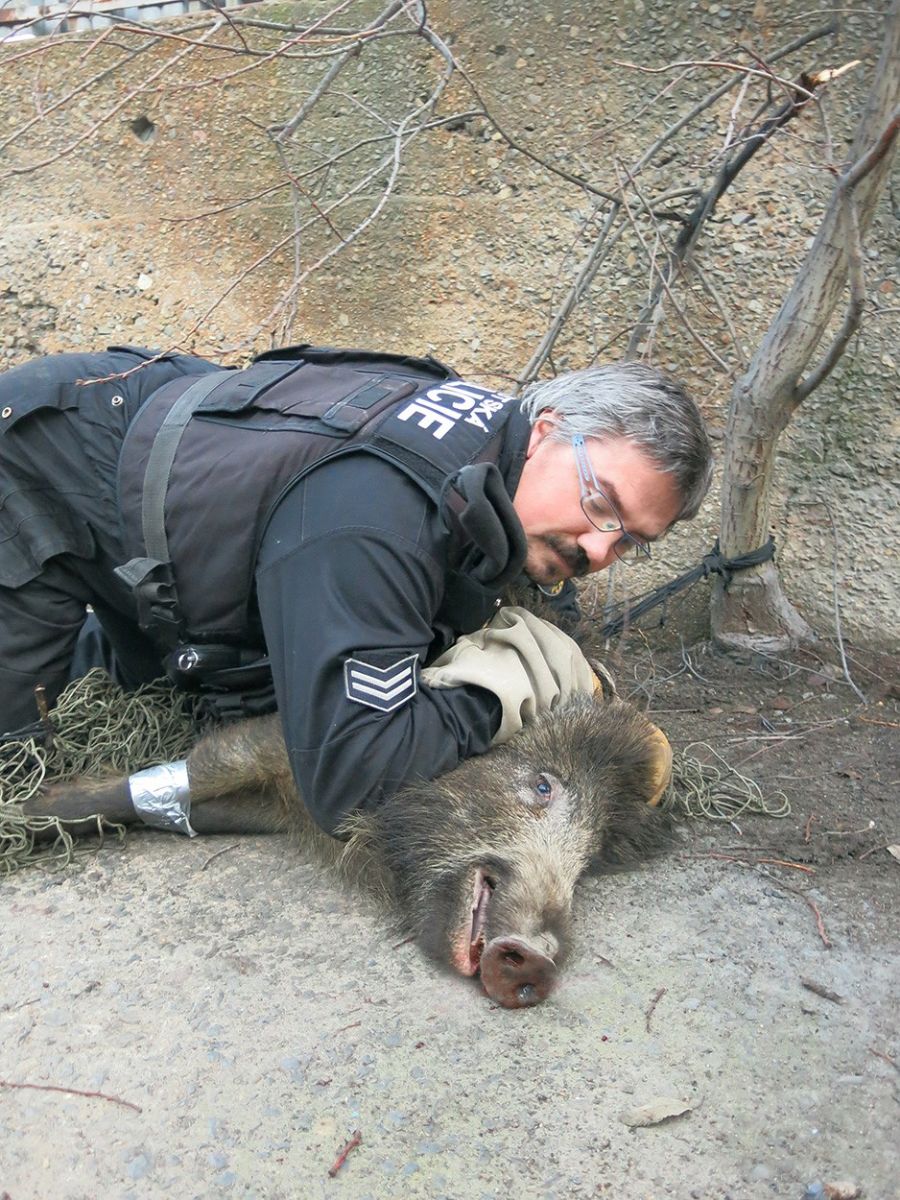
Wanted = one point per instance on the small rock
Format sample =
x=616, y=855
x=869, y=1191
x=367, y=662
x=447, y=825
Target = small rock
x=842, y=1190
x=139, y=1167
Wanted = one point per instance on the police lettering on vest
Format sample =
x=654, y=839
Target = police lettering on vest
x=412, y=412
x=439, y=409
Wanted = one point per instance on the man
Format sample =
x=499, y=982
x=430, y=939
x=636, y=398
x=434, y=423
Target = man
x=347, y=514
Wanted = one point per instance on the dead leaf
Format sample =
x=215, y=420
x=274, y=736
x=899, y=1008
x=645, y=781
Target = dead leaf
x=663, y=1108
x=895, y=850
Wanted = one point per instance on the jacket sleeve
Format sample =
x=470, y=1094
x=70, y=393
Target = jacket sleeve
x=351, y=568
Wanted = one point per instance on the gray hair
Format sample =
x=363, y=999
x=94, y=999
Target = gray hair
x=632, y=400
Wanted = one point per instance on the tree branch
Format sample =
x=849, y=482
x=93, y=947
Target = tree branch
x=290, y=127
x=111, y=112
x=703, y=210
x=855, y=269
x=600, y=249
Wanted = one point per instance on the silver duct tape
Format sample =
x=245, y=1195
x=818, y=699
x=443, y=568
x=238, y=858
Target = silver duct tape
x=162, y=797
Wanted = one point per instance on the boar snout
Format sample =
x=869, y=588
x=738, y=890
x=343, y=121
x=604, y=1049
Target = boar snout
x=515, y=973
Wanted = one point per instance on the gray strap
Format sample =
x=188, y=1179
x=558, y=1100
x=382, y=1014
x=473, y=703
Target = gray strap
x=161, y=458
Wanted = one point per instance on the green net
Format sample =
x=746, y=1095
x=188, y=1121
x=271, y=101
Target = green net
x=716, y=790
x=96, y=728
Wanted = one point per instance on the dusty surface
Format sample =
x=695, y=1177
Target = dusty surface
x=256, y=1015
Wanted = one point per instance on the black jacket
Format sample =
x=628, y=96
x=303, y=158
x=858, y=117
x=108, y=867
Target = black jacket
x=357, y=574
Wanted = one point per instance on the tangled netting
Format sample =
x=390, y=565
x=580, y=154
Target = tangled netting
x=96, y=728
x=716, y=790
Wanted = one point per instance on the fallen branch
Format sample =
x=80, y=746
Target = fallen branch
x=52, y=1087
x=355, y=1140
x=657, y=996
x=820, y=924
x=821, y=990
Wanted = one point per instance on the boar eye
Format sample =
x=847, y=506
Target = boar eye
x=538, y=792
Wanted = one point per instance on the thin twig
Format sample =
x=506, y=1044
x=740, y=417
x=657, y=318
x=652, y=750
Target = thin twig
x=834, y=589
x=821, y=990
x=355, y=1140
x=820, y=924
x=290, y=127
x=773, y=862
x=887, y=1057
x=110, y=112
x=723, y=310
x=218, y=854
x=718, y=64
x=657, y=996
x=689, y=235
x=874, y=850
x=664, y=278
x=51, y=1087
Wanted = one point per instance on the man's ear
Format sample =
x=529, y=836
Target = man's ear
x=540, y=429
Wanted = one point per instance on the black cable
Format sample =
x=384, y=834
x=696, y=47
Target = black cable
x=713, y=563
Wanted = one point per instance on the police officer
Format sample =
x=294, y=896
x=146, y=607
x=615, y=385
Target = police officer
x=328, y=522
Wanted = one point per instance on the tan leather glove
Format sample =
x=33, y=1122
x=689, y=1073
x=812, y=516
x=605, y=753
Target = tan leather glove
x=528, y=663
x=531, y=665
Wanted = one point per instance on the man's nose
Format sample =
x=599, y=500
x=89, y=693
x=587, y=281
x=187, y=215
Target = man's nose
x=599, y=547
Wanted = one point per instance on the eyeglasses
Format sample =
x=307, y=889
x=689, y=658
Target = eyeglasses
x=600, y=510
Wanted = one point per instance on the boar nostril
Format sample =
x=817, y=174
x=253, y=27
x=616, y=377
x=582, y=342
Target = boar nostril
x=527, y=994
x=513, y=958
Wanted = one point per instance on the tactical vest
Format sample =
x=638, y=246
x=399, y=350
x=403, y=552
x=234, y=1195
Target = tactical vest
x=213, y=468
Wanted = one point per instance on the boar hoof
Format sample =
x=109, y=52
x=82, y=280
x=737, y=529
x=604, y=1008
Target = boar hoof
x=515, y=974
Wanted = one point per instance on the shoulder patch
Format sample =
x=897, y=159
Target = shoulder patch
x=381, y=687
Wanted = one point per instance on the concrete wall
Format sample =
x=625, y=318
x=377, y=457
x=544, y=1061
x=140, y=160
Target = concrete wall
x=478, y=244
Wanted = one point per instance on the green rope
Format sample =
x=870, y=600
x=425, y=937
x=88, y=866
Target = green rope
x=717, y=792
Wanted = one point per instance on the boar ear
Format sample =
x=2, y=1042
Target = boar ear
x=637, y=824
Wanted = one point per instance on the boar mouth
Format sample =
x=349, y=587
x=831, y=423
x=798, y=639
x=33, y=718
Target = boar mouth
x=482, y=892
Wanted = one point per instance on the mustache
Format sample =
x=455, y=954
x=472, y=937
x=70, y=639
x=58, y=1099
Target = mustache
x=571, y=554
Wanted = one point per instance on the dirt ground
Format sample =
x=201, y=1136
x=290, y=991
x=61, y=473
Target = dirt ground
x=217, y=1017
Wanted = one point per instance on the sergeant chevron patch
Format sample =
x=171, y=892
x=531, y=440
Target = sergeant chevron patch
x=384, y=688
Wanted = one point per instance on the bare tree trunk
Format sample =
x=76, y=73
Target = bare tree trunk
x=753, y=613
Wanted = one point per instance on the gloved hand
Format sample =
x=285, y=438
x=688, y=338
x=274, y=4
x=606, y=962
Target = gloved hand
x=531, y=665
x=528, y=663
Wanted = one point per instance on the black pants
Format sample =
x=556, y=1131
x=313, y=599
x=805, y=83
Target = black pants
x=48, y=637
x=60, y=528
